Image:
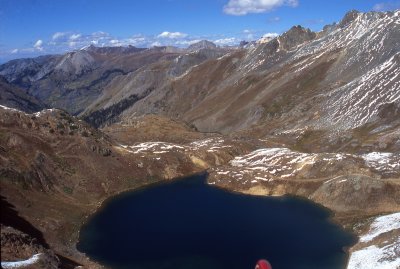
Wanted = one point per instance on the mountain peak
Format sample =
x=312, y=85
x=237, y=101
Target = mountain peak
x=295, y=36
x=349, y=17
x=112, y=50
x=203, y=44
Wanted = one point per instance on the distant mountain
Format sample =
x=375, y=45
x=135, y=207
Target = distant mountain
x=113, y=50
x=204, y=44
x=301, y=79
x=23, y=72
x=74, y=81
x=15, y=97
x=311, y=114
x=330, y=80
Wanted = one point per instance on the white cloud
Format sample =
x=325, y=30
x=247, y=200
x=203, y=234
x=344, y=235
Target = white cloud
x=75, y=36
x=292, y=3
x=172, y=35
x=274, y=19
x=243, y=7
x=226, y=41
x=385, y=6
x=135, y=41
x=155, y=44
x=66, y=40
x=270, y=35
x=61, y=42
x=267, y=37
x=99, y=35
x=249, y=34
x=186, y=42
x=38, y=45
x=58, y=35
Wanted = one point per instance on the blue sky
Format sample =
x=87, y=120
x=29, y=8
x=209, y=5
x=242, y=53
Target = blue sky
x=34, y=27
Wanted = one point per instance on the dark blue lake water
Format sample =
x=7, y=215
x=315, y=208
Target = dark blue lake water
x=188, y=224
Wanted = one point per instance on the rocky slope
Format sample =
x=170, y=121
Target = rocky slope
x=13, y=96
x=346, y=183
x=56, y=169
x=339, y=79
x=76, y=80
x=298, y=80
x=310, y=114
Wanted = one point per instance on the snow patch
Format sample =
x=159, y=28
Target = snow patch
x=10, y=108
x=382, y=225
x=153, y=147
x=382, y=257
x=21, y=264
x=44, y=111
x=382, y=161
x=374, y=257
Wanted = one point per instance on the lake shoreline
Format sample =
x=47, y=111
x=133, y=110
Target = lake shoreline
x=346, y=221
x=330, y=217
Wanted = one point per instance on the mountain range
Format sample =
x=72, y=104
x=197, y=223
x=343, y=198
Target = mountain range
x=313, y=114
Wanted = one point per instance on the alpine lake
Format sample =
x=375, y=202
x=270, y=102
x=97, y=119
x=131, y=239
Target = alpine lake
x=188, y=224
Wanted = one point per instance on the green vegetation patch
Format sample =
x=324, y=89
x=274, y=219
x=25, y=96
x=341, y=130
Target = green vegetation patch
x=67, y=190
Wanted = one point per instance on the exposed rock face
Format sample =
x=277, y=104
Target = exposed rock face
x=349, y=17
x=23, y=72
x=341, y=182
x=76, y=63
x=359, y=193
x=56, y=169
x=296, y=36
x=75, y=80
x=309, y=114
x=18, y=248
x=204, y=44
x=113, y=50
x=336, y=79
x=24, y=245
x=333, y=81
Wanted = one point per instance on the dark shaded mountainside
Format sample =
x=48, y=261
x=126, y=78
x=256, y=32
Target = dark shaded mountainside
x=313, y=114
x=15, y=97
x=74, y=81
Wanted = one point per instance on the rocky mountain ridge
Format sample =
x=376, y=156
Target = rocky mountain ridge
x=341, y=67
x=56, y=169
x=74, y=80
x=310, y=114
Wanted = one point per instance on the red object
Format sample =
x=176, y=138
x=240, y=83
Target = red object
x=263, y=264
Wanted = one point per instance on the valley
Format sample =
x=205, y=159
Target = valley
x=309, y=114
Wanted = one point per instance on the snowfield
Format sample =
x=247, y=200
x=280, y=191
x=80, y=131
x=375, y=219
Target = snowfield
x=9, y=108
x=210, y=145
x=36, y=114
x=382, y=160
x=21, y=264
x=154, y=147
x=270, y=163
x=373, y=256
x=382, y=225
